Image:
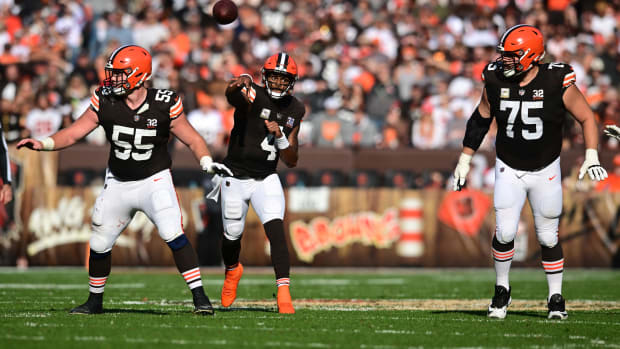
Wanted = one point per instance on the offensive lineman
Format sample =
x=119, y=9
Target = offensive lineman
x=138, y=122
x=266, y=126
x=529, y=101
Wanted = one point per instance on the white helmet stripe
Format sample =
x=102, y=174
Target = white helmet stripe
x=502, y=40
x=282, y=61
x=113, y=55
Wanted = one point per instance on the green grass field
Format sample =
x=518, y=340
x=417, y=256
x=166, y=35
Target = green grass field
x=336, y=308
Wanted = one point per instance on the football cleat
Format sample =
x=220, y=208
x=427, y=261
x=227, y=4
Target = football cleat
x=202, y=305
x=556, y=306
x=285, y=304
x=231, y=281
x=501, y=300
x=94, y=305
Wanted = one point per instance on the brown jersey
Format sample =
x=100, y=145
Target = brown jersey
x=529, y=118
x=138, y=137
x=251, y=150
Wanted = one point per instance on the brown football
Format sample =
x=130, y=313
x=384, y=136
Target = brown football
x=225, y=11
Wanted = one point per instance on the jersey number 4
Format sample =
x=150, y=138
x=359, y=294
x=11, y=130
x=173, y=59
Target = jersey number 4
x=268, y=145
x=126, y=147
x=525, y=107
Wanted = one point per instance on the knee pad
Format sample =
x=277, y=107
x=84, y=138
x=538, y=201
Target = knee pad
x=548, y=238
x=99, y=243
x=233, y=209
x=505, y=236
x=232, y=231
x=168, y=237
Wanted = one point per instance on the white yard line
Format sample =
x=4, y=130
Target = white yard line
x=20, y=286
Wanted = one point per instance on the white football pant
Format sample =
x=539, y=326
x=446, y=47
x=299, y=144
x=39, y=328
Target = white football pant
x=544, y=190
x=119, y=201
x=266, y=196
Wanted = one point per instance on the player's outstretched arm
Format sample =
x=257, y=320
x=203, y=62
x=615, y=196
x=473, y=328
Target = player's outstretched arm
x=186, y=133
x=287, y=146
x=238, y=91
x=66, y=137
x=477, y=127
x=576, y=104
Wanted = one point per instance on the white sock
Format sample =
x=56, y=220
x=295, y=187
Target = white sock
x=502, y=260
x=555, y=284
x=554, y=271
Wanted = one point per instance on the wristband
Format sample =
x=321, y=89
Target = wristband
x=282, y=142
x=48, y=144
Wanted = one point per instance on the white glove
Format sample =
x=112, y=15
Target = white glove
x=612, y=131
x=209, y=166
x=460, y=173
x=592, y=166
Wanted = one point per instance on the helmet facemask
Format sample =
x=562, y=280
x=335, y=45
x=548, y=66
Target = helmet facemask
x=116, y=80
x=509, y=63
x=278, y=84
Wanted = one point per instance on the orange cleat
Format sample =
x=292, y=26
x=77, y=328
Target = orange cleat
x=285, y=304
x=229, y=290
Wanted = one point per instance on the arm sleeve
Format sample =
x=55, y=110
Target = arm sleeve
x=477, y=128
x=5, y=164
x=235, y=97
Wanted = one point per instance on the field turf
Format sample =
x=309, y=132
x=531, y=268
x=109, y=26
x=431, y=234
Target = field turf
x=336, y=308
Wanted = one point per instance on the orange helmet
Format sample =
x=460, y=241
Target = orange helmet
x=520, y=48
x=128, y=68
x=279, y=74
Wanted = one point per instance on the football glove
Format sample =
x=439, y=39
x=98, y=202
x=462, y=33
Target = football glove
x=612, y=131
x=592, y=166
x=209, y=166
x=460, y=173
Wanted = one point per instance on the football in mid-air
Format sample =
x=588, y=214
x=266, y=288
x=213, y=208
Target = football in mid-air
x=225, y=11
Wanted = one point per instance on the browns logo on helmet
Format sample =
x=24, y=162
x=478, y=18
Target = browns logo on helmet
x=520, y=48
x=279, y=74
x=127, y=68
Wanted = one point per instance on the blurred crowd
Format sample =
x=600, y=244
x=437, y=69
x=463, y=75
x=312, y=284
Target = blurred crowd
x=372, y=73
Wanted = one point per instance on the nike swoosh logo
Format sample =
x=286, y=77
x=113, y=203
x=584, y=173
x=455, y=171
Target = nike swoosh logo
x=551, y=178
x=156, y=179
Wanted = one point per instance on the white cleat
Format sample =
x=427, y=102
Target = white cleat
x=500, y=302
x=557, y=308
